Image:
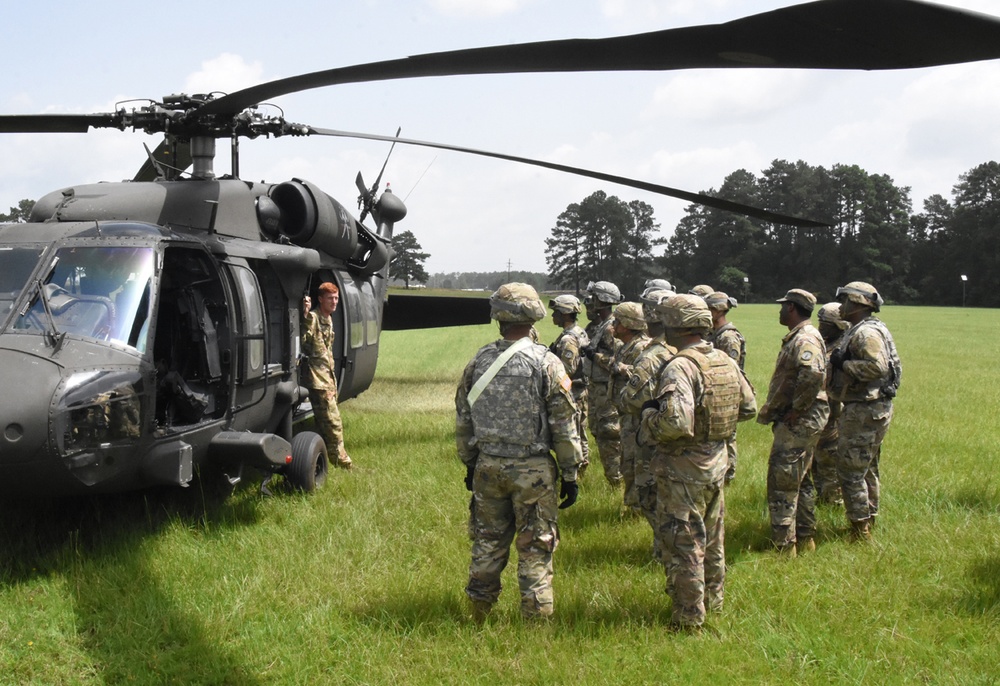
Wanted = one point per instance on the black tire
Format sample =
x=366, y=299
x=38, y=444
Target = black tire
x=309, y=466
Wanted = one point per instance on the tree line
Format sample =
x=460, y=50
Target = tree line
x=873, y=235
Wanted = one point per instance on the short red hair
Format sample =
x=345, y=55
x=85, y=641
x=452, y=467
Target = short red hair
x=327, y=287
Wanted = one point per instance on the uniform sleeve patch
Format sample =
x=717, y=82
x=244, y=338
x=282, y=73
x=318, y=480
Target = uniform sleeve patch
x=566, y=383
x=806, y=355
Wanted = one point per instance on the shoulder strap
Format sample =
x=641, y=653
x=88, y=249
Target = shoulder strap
x=484, y=381
x=698, y=358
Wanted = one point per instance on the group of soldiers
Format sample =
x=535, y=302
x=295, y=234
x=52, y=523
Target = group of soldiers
x=660, y=384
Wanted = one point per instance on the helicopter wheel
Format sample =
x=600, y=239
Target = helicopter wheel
x=309, y=466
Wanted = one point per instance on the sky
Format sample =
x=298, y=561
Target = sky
x=686, y=129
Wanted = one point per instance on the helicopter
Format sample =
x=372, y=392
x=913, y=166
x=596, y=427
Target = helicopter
x=150, y=327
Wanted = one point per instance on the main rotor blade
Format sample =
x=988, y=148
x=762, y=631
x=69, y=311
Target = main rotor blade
x=827, y=34
x=57, y=123
x=700, y=198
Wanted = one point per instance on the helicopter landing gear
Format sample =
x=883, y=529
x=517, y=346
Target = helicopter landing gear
x=309, y=465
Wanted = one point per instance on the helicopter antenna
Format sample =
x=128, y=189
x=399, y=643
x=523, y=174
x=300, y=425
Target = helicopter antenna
x=426, y=169
x=160, y=171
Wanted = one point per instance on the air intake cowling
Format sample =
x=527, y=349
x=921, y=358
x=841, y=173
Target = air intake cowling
x=312, y=219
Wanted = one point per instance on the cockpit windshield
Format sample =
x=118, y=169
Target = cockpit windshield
x=98, y=292
x=16, y=265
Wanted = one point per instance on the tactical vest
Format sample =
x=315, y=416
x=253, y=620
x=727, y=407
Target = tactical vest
x=594, y=372
x=510, y=418
x=718, y=410
x=881, y=388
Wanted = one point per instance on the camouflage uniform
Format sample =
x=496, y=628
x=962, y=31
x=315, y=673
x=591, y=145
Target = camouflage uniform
x=824, y=467
x=729, y=340
x=567, y=348
x=620, y=370
x=603, y=418
x=798, y=386
x=505, y=436
x=638, y=391
x=690, y=465
x=865, y=382
x=321, y=380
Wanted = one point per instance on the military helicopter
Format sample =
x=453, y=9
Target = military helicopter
x=150, y=327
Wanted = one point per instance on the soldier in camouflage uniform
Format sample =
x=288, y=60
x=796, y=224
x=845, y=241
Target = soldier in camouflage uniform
x=603, y=417
x=630, y=329
x=699, y=397
x=824, y=470
x=513, y=405
x=797, y=409
x=567, y=346
x=321, y=374
x=727, y=338
x=637, y=392
x=865, y=377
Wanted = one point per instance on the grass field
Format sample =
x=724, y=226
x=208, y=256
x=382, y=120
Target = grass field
x=361, y=583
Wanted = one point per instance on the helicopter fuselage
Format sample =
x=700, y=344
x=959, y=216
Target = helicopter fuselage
x=150, y=327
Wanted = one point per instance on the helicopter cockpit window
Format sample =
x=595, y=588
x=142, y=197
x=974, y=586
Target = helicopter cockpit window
x=16, y=265
x=99, y=292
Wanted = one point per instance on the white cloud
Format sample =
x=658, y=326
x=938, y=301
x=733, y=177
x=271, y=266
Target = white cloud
x=227, y=72
x=478, y=8
x=726, y=95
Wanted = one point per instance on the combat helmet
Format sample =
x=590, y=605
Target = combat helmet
x=567, y=304
x=660, y=284
x=603, y=292
x=650, y=298
x=861, y=293
x=686, y=312
x=702, y=290
x=830, y=314
x=630, y=316
x=516, y=302
x=720, y=301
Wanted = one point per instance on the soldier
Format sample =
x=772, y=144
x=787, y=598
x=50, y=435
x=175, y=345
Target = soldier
x=603, y=415
x=630, y=329
x=797, y=409
x=700, y=396
x=865, y=377
x=513, y=405
x=727, y=338
x=824, y=470
x=639, y=390
x=321, y=375
x=567, y=347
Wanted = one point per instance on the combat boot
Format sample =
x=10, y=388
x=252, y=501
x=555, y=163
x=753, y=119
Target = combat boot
x=480, y=610
x=806, y=545
x=788, y=550
x=861, y=531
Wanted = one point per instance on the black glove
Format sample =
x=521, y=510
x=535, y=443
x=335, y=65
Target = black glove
x=587, y=352
x=837, y=358
x=470, y=475
x=650, y=405
x=568, y=494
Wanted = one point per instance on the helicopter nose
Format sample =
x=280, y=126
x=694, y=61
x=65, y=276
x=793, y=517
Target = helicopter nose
x=27, y=383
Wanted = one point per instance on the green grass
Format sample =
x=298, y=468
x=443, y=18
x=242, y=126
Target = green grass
x=362, y=582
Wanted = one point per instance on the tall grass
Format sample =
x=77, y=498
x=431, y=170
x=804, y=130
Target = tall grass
x=361, y=583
